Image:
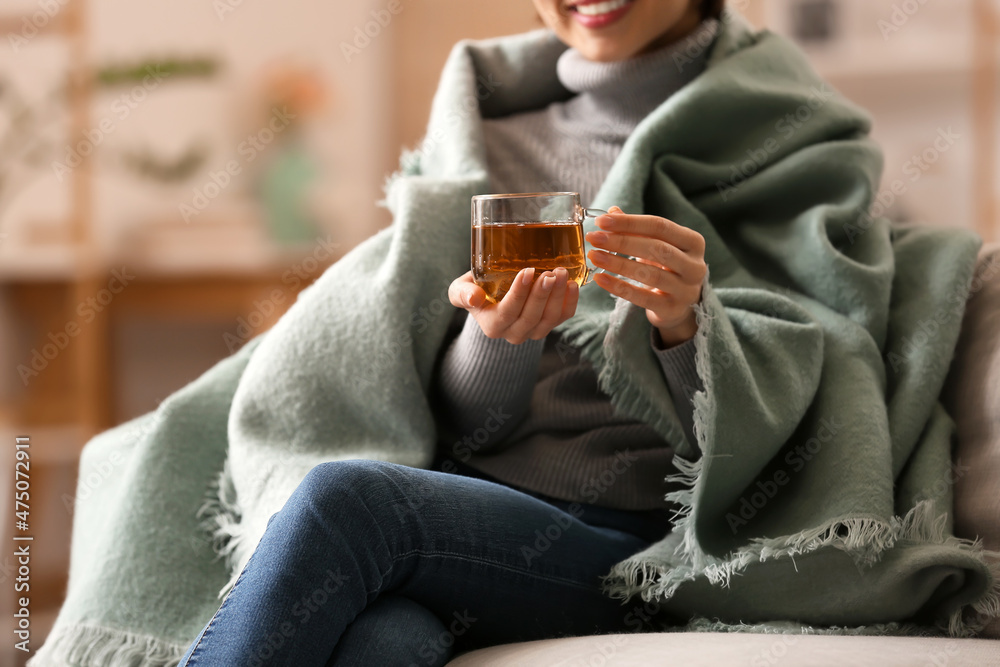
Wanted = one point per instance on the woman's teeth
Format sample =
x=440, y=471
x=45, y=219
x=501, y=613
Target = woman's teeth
x=601, y=7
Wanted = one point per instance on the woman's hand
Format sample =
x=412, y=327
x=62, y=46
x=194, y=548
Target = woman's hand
x=669, y=262
x=526, y=312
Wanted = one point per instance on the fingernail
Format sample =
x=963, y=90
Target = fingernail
x=527, y=275
x=547, y=282
x=597, y=237
x=605, y=221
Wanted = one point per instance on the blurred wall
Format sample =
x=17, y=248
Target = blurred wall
x=424, y=39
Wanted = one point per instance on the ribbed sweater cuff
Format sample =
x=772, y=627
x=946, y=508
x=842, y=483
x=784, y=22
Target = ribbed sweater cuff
x=681, y=373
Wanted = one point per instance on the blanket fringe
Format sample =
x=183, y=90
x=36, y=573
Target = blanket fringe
x=409, y=165
x=221, y=518
x=865, y=539
x=702, y=624
x=971, y=619
x=98, y=646
x=581, y=334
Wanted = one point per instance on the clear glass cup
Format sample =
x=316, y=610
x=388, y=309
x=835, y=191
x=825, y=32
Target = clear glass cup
x=543, y=230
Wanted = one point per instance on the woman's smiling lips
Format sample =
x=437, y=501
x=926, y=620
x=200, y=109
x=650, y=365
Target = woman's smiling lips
x=599, y=13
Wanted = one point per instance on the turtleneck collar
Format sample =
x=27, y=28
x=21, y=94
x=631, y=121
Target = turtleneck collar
x=622, y=93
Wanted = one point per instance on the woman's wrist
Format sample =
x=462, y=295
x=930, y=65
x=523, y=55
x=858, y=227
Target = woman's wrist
x=680, y=333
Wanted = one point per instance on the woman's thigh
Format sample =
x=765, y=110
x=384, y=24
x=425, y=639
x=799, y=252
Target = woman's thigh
x=494, y=564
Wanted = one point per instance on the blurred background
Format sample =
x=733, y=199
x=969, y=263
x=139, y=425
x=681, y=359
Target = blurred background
x=174, y=172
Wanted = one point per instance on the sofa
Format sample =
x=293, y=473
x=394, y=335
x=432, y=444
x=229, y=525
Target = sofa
x=697, y=649
x=972, y=397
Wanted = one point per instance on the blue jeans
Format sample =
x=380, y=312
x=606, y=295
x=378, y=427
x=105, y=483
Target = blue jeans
x=373, y=563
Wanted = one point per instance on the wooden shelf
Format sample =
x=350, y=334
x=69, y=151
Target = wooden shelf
x=40, y=263
x=57, y=24
x=75, y=385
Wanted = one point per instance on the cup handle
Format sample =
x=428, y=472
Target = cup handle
x=591, y=271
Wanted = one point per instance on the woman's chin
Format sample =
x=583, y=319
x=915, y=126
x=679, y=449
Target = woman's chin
x=603, y=50
x=606, y=55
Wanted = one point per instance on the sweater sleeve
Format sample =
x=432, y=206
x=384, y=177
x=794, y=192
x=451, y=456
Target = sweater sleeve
x=682, y=379
x=484, y=386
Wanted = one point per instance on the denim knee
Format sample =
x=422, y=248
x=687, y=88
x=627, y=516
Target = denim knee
x=333, y=483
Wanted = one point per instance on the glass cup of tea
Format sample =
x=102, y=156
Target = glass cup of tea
x=543, y=230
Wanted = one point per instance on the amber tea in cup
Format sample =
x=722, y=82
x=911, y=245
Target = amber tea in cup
x=512, y=232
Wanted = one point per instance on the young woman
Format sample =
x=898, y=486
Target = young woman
x=541, y=486
x=488, y=550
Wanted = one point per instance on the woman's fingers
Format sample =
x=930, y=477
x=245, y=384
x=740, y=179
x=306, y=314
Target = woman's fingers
x=535, y=307
x=553, y=307
x=496, y=319
x=463, y=292
x=656, y=227
x=653, y=239
x=666, y=308
x=570, y=302
x=530, y=309
x=652, y=275
x=664, y=271
x=650, y=249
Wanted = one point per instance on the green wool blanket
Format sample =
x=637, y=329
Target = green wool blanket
x=817, y=491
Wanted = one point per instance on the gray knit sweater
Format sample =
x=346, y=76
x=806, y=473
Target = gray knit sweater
x=532, y=415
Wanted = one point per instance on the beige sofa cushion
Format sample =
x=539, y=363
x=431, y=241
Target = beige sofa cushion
x=709, y=649
x=972, y=397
